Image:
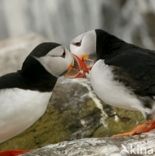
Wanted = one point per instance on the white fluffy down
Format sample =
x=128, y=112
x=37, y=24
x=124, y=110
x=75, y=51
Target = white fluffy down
x=111, y=91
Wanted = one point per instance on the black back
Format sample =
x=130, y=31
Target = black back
x=33, y=75
x=132, y=65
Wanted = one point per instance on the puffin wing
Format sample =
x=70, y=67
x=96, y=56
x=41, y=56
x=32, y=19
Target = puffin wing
x=136, y=68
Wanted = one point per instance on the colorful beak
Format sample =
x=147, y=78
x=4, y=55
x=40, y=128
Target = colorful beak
x=79, y=69
x=82, y=65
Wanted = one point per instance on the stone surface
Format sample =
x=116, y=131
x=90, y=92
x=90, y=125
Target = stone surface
x=143, y=145
x=14, y=51
x=74, y=111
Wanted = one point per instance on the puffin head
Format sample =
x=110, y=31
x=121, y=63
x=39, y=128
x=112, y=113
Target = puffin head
x=48, y=59
x=84, y=48
x=84, y=45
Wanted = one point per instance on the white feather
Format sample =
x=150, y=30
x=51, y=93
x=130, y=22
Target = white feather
x=111, y=91
x=19, y=109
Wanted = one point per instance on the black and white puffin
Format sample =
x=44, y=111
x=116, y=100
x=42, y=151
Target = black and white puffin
x=24, y=95
x=122, y=75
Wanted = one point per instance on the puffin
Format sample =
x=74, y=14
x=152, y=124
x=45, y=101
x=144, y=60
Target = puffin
x=24, y=94
x=121, y=74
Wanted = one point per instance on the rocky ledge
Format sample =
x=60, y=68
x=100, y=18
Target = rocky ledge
x=143, y=145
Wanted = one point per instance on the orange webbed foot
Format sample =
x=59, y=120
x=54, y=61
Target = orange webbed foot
x=142, y=128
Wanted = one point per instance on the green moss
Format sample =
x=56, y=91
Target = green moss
x=128, y=120
x=87, y=108
x=53, y=127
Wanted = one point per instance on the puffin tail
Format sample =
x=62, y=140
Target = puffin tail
x=12, y=152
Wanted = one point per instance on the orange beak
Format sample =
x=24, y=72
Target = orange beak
x=79, y=70
x=83, y=68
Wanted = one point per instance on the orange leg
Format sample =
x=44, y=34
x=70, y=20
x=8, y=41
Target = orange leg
x=12, y=152
x=145, y=127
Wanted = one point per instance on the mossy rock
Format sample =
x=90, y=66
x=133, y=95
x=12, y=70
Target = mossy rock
x=126, y=121
x=54, y=126
x=51, y=128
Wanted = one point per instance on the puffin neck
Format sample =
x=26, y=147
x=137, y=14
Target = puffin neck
x=35, y=76
x=17, y=80
x=108, y=45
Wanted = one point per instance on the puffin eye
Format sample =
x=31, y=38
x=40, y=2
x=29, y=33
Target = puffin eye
x=63, y=54
x=78, y=44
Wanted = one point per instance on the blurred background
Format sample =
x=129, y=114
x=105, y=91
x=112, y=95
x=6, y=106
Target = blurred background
x=61, y=20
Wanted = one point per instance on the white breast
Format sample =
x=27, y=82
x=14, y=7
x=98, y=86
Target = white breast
x=111, y=91
x=19, y=109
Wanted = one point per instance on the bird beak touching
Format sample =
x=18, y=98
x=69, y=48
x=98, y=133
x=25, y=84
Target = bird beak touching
x=79, y=69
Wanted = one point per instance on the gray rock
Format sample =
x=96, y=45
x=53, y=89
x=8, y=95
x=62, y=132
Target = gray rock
x=14, y=51
x=139, y=145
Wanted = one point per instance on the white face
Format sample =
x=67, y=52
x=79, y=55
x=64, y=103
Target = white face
x=57, y=61
x=84, y=44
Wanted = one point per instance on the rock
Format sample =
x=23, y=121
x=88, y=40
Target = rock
x=14, y=51
x=138, y=145
x=74, y=111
